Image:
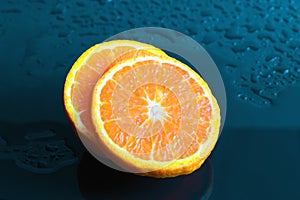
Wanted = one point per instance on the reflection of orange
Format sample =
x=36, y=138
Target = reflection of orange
x=150, y=113
x=198, y=185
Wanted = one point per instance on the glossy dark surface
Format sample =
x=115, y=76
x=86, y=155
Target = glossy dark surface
x=246, y=164
x=257, y=164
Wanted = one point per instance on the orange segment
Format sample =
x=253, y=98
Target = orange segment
x=108, y=90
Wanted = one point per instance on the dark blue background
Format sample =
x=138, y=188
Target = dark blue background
x=255, y=44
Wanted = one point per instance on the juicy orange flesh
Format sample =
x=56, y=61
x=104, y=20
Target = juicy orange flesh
x=139, y=109
x=86, y=78
x=179, y=122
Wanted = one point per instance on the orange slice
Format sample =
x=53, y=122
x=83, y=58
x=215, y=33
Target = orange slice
x=79, y=84
x=85, y=73
x=154, y=115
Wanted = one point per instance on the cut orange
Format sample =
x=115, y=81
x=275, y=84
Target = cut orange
x=81, y=80
x=85, y=73
x=143, y=110
x=155, y=115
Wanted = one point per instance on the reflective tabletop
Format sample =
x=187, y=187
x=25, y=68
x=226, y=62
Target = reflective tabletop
x=246, y=164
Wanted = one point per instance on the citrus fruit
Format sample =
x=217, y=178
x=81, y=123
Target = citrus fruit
x=154, y=115
x=80, y=82
x=138, y=110
x=84, y=74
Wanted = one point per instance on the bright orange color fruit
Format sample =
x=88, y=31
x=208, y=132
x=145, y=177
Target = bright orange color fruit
x=147, y=112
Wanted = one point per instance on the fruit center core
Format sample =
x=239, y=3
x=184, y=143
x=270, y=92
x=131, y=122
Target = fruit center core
x=155, y=111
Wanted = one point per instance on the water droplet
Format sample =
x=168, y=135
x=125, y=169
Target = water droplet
x=263, y=74
x=210, y=38
x=273, y=58
x=233, y=33
x=275, y=94
x=286, y=71
x=255, y=78
x=261, y=91
x=230, y=68
x=242, y=96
